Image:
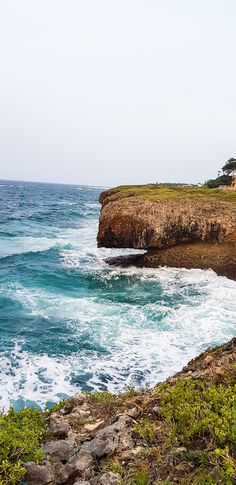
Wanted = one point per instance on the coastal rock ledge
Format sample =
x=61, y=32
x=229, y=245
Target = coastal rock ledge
x=191, y=228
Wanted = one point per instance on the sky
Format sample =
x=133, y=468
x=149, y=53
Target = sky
x=109, y=92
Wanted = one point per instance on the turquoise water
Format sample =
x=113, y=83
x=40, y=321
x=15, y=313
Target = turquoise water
x=69, y=322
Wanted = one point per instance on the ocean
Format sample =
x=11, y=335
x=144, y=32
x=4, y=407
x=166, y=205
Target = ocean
x=69, y=322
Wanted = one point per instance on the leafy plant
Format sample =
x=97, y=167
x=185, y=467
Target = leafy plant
x=20, y=436
x=146, y=430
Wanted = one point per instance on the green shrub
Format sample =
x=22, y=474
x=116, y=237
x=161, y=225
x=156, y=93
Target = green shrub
x=104, y=401
x=141, y=477
x=195, y=410
x=198, y=413
x=146, y=430
x=20, y=436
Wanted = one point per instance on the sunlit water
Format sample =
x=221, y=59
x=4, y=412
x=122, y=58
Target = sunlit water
x=69, y=322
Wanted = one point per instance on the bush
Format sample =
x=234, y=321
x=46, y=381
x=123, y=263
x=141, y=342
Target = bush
x=222, y=180
x=20, y=436
x=197, y=411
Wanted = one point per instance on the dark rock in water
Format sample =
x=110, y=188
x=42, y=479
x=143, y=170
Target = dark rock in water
x=125, y=261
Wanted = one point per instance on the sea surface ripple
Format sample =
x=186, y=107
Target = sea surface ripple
x=70, y=322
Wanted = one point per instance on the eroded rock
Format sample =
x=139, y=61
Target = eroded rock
x=58, y=426
x=189, y=233
x=59, y=450
x=62, y=473
x=109, y=478
x=38, y=474
x=84, y=464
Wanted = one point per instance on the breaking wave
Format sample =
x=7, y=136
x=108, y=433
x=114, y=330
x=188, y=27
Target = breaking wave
x=70, y=322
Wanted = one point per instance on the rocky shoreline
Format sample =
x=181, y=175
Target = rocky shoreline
x=183, y=431
x=102, y=439
x=184, y=232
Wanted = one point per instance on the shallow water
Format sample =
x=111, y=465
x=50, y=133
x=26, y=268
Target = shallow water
x=69, y=322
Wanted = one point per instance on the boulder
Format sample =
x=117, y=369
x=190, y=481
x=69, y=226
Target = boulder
x=60, y=450
x=62, y=473
x=58, y=426
x=84, y=464
x=38, y=474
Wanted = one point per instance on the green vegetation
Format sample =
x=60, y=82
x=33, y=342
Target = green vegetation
x=57, y=407
x=105, y=402
x=138, y=476
x=141, y=477
x=196, y=411
x=200, y=421
x=146, y=430
x=20, y=436
x=224, y=175
x=156, y=192
x=185, y=430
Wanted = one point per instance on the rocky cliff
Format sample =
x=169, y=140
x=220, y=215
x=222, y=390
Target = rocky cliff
x=193, y=228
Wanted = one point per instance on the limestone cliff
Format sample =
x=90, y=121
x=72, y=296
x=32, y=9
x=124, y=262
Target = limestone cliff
x=193, y=230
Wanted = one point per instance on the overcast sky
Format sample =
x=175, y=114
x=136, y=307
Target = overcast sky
x=104, y=92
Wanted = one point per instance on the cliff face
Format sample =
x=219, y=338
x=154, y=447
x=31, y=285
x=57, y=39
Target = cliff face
x=190, y=232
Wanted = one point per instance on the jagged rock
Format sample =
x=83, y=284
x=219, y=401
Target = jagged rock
x=157, y=410
x=74, y=436
x=38, y=474
x=125, y=441
x=106, y=440
x=100, y=447
x=58, y=426
x=133, y=412
x=215, y=473
x=85, y=461
x=59, y=450
x=84, y=464
x=93, y=426
x=109, y=478
x=81, y=482
x=74, y=404
x=62, y=473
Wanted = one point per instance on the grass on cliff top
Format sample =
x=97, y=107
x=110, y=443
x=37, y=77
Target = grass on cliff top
x=154, y=192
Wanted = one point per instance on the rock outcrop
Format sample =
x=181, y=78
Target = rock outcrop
x=128, y=439
x=181, y=232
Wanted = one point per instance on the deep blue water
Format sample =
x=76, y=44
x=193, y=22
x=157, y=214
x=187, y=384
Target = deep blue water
x=70, y=322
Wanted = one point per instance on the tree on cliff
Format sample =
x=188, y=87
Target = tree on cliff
x=224, y=175
x=230, y=167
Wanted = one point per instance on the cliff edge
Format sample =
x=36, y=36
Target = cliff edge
x=192, y=227
x=181, y=431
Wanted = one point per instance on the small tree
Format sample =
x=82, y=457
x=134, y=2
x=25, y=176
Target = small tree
x=224, y=175
x=230, y=167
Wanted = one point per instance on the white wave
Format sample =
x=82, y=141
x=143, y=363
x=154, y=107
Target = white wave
x=26, y=244
x=132, y=341
x=32, y=378
x=139, y=347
